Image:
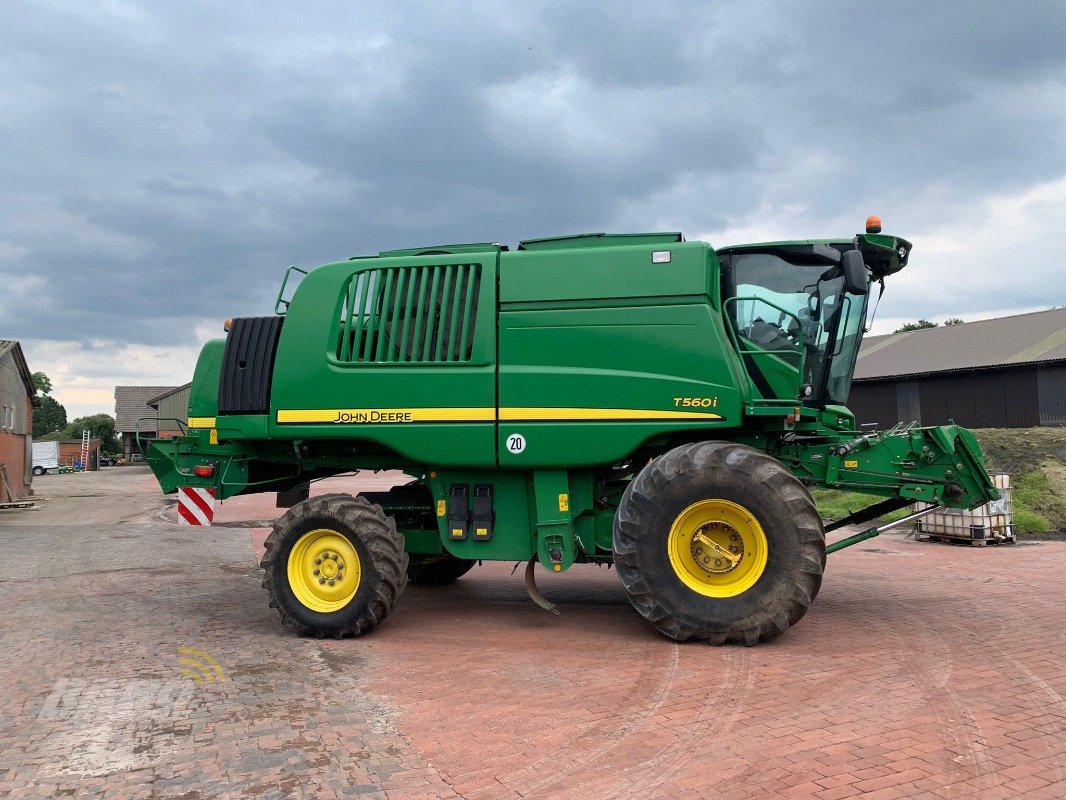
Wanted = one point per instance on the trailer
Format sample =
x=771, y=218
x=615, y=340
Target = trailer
x=45, y=457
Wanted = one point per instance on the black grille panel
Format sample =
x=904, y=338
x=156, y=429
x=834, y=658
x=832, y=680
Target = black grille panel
x=248, y=365
x=414, y=315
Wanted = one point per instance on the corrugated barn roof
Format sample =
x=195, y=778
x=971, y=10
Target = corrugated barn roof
x=1021, y=339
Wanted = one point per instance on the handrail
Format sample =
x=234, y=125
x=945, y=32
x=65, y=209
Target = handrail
x=284, y=282
x=137, y=431
x=137, y=435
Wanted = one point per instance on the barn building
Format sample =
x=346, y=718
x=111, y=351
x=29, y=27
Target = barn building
x=131, y=410
x=17, y=398
x=172, y=408
x=1008, y=372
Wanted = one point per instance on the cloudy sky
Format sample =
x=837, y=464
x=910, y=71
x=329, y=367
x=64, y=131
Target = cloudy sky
x=161, y=163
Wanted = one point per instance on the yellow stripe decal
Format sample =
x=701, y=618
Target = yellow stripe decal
x=358, y=416
x=201, y=422
x=621, y=414
x=387, y=415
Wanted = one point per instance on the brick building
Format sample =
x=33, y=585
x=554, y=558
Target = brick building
x=17, y=398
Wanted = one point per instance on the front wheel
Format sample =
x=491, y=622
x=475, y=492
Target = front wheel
x=38, y=470
x=720, y=542
x=334, y=566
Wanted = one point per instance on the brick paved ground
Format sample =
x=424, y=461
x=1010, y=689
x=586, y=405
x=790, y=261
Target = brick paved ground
x=923, y=670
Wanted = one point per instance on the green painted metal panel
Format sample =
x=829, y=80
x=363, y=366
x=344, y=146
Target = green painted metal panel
x=605, y=273
x=514, y=536
x=203, y=391
x=375, y=395
x=575, y=333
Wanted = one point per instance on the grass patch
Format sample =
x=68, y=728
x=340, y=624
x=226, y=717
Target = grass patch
x=1036, y=461
x=1029, y=521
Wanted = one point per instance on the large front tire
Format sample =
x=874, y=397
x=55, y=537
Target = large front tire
x=334, y=566
x=719, y=542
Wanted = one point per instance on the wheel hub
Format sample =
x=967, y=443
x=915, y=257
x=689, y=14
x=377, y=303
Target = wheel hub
x=324, y=570
x=330, y=565
x=717, y=547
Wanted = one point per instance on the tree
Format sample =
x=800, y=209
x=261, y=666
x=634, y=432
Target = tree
x=100, y=426
x=49, y=417
x=954, y=321
x=916, y=326
x=41, y=382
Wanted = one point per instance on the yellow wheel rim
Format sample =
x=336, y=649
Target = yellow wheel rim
x=717, y=548
x=324, y=570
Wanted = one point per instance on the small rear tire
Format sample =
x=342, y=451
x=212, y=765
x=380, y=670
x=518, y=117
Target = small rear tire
x=719, y=542
x=437, y=570
x=334, y=566
x=38, y=471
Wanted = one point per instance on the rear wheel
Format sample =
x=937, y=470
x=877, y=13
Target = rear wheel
x=334, y=566
x=437, y=570
x=38, y=470
x=720, y=542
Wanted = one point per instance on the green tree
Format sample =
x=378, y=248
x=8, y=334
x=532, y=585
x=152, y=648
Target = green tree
x=915, y=326
x=954, y=321
x=48, y=417
x=100, y=426
x=41, y=382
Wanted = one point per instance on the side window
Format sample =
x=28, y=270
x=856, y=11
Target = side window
x=409, y=315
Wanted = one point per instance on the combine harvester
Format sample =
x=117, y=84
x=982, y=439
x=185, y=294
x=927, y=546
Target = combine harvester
x=635, y=400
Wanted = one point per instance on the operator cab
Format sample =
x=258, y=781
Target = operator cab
x=798, y=310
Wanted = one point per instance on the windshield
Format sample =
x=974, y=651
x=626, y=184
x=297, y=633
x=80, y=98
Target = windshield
x=793, y=309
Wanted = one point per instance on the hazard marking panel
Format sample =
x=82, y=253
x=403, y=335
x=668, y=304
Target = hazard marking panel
x=196, y=506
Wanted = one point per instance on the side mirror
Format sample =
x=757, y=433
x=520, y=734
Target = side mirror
x=855, y=277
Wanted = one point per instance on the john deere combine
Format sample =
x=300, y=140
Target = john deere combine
x=635, y=400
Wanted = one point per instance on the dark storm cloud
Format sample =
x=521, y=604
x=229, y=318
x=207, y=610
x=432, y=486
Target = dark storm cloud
x=161, y=165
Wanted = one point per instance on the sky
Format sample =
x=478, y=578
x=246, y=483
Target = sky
x=162, y=163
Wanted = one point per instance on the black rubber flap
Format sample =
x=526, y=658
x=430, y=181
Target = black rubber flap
x=248, y=365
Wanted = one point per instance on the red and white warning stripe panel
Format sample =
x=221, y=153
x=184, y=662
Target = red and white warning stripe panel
x=196, y=506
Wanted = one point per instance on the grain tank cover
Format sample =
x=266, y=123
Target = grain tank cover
x=599, y=240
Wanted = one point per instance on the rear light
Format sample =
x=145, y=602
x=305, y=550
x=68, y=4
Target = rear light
x=204, y=470
x=227, y=324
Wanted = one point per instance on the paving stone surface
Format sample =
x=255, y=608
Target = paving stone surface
x=138, y=659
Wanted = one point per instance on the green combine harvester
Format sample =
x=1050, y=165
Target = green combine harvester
x=634, y=399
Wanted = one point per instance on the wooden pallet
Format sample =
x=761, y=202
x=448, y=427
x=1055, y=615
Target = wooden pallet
x=945, y=539
x=12, y=501
x=17, y=504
